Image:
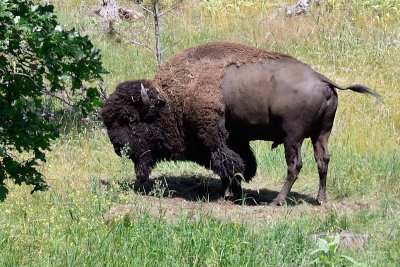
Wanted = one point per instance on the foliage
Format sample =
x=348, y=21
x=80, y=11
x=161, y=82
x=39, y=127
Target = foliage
x=40, y=64
x=327, y=253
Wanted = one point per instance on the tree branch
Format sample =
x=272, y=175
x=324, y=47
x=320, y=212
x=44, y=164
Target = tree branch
x=168, y=10
x=156, y=16
x=47, y=92
x=42, y=89
x=103, y=92
x=168, y=47
x=157, y=33
x=131, y=41
x=140, y=44
x=146, y=9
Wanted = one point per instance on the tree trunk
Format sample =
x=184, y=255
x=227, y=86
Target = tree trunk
x=301, y=7
x=109, y=10
x=109, y=13
x=157, y=33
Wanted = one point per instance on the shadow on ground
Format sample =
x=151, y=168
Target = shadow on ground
x=206, y=188
x=199, y=195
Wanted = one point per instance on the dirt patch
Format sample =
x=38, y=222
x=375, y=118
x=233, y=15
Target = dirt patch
x=172, y=208
x=206, y=188
x=195, y=196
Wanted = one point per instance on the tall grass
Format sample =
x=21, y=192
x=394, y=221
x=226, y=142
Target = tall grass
x=65, y=225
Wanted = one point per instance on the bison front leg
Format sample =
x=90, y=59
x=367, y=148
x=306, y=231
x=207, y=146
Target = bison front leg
x=207, y=123
x=144, y=164
x=242, y=147
x=230, y=167
x=294, y=165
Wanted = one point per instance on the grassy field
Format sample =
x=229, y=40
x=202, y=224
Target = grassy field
x=348, y=41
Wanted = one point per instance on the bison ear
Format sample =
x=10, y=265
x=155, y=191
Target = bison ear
x=144, y=97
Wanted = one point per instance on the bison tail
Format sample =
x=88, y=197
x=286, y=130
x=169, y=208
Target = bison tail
x=363, y=90
x=355, y=87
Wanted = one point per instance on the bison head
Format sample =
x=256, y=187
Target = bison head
x=135, y=116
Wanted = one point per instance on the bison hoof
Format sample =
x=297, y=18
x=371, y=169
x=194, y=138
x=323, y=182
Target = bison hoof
x=140, y=182
x=321, y=201
x=277, y=202
x=233, y=195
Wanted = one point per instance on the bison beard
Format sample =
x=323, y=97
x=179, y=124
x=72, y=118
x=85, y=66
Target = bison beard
x=208, y=102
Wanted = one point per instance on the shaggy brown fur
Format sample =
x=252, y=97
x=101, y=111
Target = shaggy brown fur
x=144, y=135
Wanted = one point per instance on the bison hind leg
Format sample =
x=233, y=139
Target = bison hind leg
x=321, y=155
x=294, y=165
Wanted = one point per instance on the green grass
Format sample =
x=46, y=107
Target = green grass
x=65, y=226
x=148, y=241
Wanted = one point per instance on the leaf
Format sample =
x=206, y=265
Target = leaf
x=34, y=8
x=72, y=35
x=17, y=19
x=40, y=155
x=58, y=28
x=334, y=243
x=350, y=259
x=324, y=259
x=323, y=245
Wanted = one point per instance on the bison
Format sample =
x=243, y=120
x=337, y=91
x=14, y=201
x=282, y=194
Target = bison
x=207, y=103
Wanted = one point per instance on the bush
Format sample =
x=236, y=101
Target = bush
x=40, y=63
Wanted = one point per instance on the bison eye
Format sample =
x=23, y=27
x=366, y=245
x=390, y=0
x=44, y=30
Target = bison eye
x=160, y=102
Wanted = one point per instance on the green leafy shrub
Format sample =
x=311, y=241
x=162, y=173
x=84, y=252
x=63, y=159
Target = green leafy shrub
x=40, y=63
x=327, y=254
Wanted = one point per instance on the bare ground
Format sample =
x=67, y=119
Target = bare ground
x=198, y=195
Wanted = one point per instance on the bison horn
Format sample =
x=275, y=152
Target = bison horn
x=144, y=96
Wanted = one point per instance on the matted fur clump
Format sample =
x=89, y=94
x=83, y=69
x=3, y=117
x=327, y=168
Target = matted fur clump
x=192, y=79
